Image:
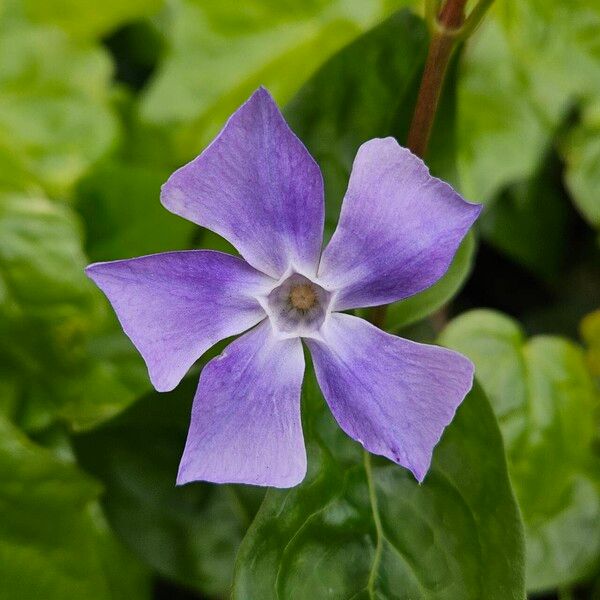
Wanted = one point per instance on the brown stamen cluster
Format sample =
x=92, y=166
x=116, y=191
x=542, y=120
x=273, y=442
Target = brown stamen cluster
x=303, y=296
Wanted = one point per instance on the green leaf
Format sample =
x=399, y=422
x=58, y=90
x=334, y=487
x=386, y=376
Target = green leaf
x=501, y=136
x=54, y=105
x=518, y=84
x=356, y=530
x=189, y=534
x=52, y=320
x=375, y=77
x=123, y=215
x=560, y=68
x=218, y=55
x=87, y=18
x=54, y=542
x=546, y=403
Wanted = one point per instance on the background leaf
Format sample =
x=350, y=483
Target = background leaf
x=54, y=543
x=54, y=103
x=50, y=315
x=546, y=404
x=189, y=534
x=86, y=18
x=218, y=56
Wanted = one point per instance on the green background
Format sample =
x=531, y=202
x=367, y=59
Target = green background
x=99, y=103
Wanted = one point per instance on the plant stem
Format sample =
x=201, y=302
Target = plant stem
x=443, y=40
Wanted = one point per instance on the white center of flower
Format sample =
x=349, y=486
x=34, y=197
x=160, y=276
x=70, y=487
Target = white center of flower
x=297, y=306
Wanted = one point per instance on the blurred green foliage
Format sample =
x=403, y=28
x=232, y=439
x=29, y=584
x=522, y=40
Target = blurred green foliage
x=99, y=102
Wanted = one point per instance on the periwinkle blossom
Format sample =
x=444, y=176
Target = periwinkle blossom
x=257, y=186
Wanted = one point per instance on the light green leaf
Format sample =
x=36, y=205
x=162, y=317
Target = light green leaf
x=501, y=137
x=87, y=18
x=546, y=404
x=50, y=317
x=189, y=534
x=54, y=105
x=356, y=530
x=218, y=55
x=54, y=542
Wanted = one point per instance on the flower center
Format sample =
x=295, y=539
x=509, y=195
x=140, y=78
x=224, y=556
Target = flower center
x=297, y=306
x=303, y=296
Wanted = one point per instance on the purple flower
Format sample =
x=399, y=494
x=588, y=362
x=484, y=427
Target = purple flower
x=257, y=186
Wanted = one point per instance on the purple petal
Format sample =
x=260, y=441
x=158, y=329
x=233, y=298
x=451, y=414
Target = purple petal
x=258, y=187
x=399, y=228
x=176, y=305
x=246, y=425
x=392, y=395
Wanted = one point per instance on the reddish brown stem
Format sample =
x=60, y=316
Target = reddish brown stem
x=442, y=43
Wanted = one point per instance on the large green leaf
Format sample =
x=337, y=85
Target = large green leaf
x=501, y=136
x=189, y=534
x=54, y=542
x=546, y=404
x=356, y=530
x=518, y=83
x=88, y=18
x=219, y=54
x=54, y=105
x=120, y=206
x=58, y=350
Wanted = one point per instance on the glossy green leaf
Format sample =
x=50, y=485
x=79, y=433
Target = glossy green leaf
x=354, y=529
x=123, y=215
x=546, y=403
x=189, y=534
x=54, y=542
x=87, y=18
x=54, y=105
x=219, y=54
x=55, y=328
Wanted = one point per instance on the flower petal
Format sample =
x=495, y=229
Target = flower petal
x=258, y=187
x=392, y=395
x=175, y=306
x=246, y=425
x=399, y=228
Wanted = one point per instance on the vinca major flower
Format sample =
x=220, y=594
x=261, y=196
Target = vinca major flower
x=257, y=186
